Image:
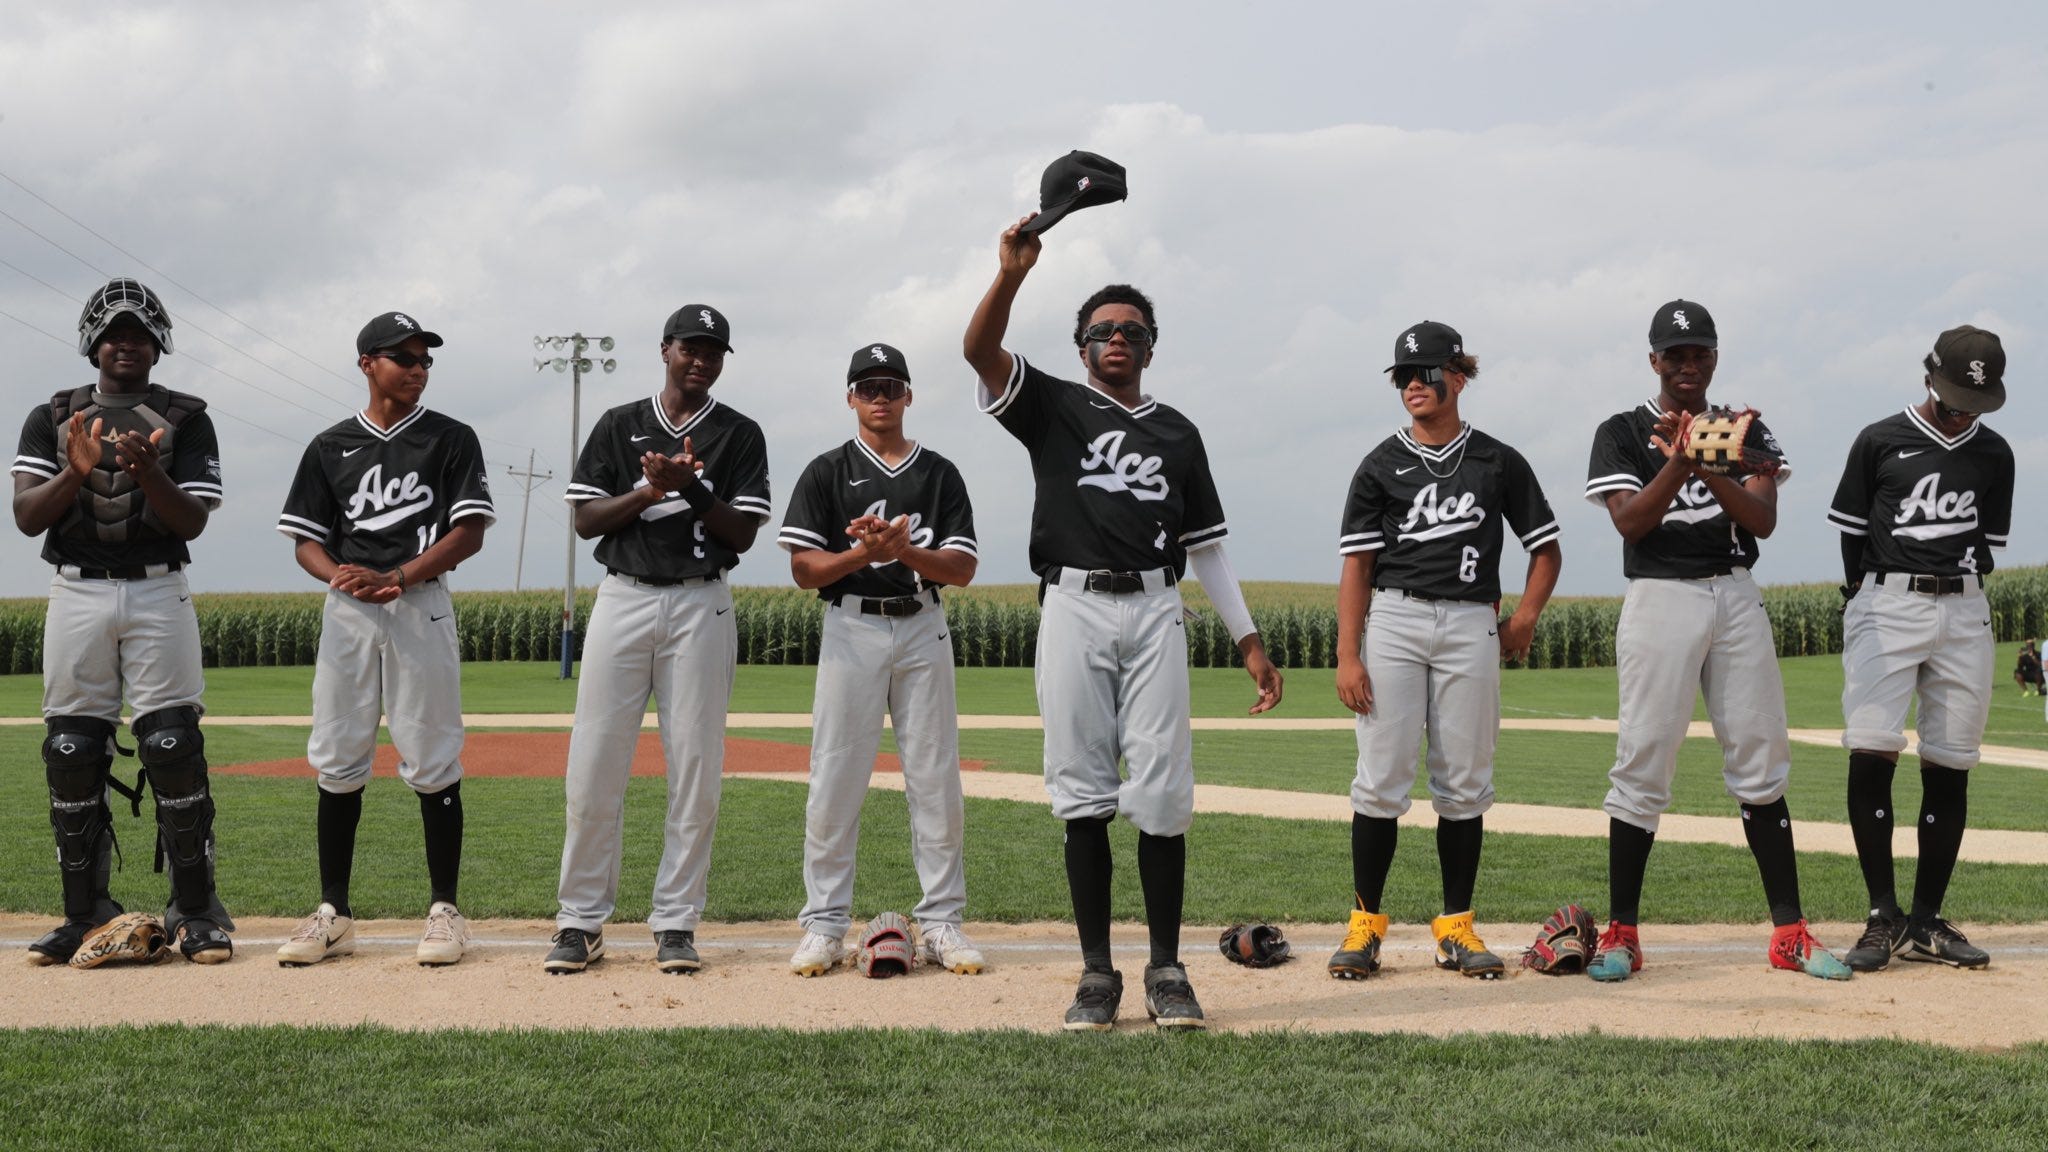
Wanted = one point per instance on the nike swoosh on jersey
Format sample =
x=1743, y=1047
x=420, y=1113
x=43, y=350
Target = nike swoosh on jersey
x=1407, y=470
x=1910, y=455
x=857, y=483
x=637, y=439
x=352, y=451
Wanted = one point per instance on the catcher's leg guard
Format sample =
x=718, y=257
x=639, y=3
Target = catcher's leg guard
x=173, y=755
x=78, y=760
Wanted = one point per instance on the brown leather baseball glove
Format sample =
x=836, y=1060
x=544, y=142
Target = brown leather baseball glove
x=130, y=936
x=1564, y=945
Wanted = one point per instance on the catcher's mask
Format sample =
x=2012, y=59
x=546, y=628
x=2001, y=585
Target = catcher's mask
x=122, y=295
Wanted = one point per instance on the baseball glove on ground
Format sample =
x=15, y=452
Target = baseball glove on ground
x=129, y=936
x=885, y=948
x=1718, y=443
x=1564, y=944
x=1254, y=945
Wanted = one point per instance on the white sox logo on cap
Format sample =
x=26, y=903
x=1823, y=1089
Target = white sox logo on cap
x=1678, y=318
x=1977, y=372
x=879, y=355
x=403, y=321
x=705, y=315
x=1412, y=345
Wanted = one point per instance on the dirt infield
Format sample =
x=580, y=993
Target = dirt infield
x=1701, y=981
x=546, y=754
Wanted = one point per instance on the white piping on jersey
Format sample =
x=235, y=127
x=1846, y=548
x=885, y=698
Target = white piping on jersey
x=1599, y=486
x=1203, y=535
x=577, y=493
x=996, y=405
x=1934, y=434
x=1849, y=525
x=35, y=466
x=463, y=509
x=1360, y=542
x=960, y=544
x=1535, y=538
x=876, y=458
x=370, y=425
x=695, y=419
x=793, y=537
x=292, y=525
x=1439, y=454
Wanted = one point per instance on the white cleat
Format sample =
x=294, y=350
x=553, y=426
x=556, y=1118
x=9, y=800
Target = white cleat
x=324, y=934
x=817, y=955
x=446, y=938
x=948, y=947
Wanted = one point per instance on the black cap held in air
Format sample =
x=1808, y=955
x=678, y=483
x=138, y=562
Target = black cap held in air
x=1075, y=181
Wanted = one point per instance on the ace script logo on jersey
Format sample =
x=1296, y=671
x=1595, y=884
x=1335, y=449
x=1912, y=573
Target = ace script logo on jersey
x=1132, y=472
x=393, y=501
x=1430, y=518
x=1928, y=513
x=1694, y=504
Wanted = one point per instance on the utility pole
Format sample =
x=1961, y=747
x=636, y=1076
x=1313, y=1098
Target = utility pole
x=576, y=364
x=528, y=480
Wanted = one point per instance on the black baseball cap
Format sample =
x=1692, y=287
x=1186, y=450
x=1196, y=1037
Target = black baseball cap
x=697, y=320
x=1682, y=322
x=389, y=331
x=1427, y=345
x=1075, y=181
x=869, y=357
x=1968, y=369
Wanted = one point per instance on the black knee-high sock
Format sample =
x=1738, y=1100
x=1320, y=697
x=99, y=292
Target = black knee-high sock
x=1163, y=870
x=441, y=812
x=338, y=816
x=1870, y=823
x=1457, y=857
x=1628, y=857
x=1372, y=853
x=1944, y=810
x=1088, y=872
x=1769, y=830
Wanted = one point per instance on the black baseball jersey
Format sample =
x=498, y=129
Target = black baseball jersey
x=852, y=481
x=1434, y=512
x=193, y=464
x=1923, y=502
x=1118, y=489
x=1697, y=538
x=379, y=497
x=668, y=541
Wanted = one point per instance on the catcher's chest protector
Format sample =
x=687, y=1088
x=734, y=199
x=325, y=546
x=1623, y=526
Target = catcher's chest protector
x=110, y=505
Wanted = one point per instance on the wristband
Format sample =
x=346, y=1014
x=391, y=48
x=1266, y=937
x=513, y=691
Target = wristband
x=400, y=571
x=698, y=495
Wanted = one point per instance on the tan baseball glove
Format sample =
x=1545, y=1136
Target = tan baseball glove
x=1718, y=443
x=885, y=947
x=130, y=936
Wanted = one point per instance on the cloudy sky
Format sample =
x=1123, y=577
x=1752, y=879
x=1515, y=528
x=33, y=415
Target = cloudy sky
x=1837, y=182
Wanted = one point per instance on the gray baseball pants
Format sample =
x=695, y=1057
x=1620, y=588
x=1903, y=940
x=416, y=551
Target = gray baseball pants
x=397, y=662
x=1434, y=666
x=868, y=667
x=103, y=639
x=1676, y=640
x=1896, y=643
x=678, y=644
x=1112, y=675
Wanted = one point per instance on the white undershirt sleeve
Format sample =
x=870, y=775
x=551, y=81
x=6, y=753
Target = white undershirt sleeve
x=1211, y=565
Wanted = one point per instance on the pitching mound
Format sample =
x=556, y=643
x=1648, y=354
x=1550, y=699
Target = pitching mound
x=547, y=754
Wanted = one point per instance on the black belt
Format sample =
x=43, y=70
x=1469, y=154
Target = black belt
x=664, y=581
x=132, y=572
x=891, y=605
x=1102, y=580
x=1412, y=594
x=1931, y=585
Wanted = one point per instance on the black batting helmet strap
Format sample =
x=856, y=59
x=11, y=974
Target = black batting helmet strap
x=122, y=295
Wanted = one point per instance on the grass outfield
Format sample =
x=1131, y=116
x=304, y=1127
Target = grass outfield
x=367, y=1088
x=1239, y=867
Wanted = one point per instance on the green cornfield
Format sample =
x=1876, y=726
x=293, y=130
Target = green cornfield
x=992, y=627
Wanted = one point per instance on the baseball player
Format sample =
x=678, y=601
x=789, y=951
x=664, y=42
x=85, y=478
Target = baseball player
x=1421, y=543
x=1124, y=506
x=1693, y=622
x=676, y=486
x=384, y=505
x=117, y=477
x=1924, y=500
x=876, y=526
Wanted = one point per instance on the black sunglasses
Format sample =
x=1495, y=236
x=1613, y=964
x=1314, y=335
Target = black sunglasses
x=879, y=388
x=406, y=359
x=1133, y=332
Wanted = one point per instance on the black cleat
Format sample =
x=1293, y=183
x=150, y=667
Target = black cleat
x=1937, y=942
x=676, y=952
x=574, y=951
x=1883, y=938
x=1095, y=1002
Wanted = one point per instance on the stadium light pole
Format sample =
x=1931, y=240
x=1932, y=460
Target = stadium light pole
x=576, y=363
